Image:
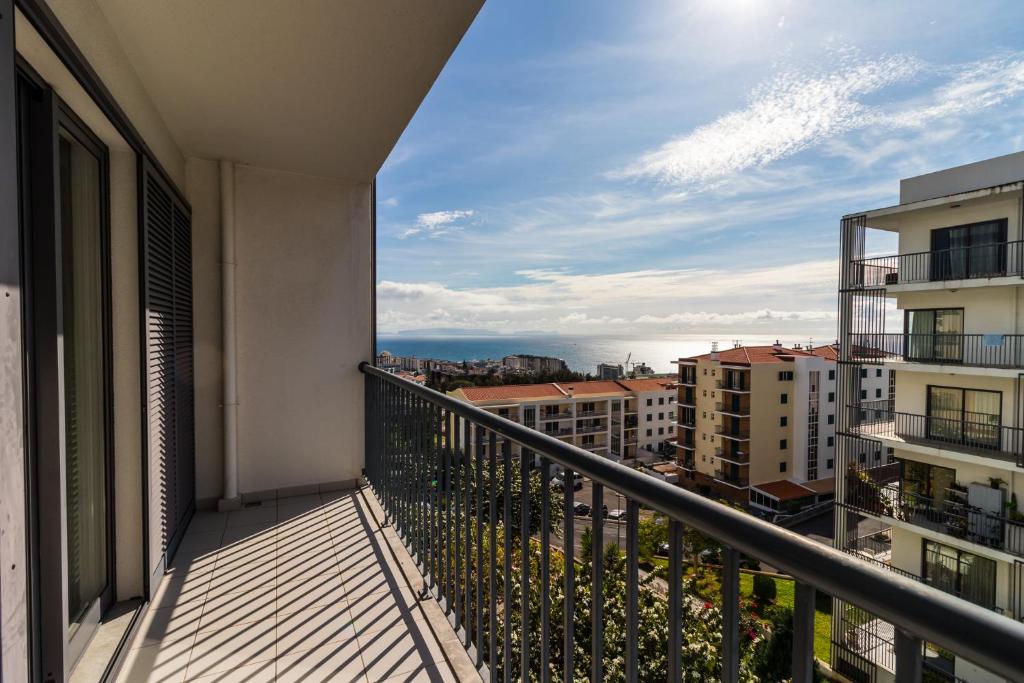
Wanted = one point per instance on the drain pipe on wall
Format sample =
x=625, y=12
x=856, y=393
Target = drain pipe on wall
x=231, y=499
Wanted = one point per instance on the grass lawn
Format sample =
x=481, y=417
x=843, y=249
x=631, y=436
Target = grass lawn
x=784, y=590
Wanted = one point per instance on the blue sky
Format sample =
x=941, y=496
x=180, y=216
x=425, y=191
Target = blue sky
x=677, y=167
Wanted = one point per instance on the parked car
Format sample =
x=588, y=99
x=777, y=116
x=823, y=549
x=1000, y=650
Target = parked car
x=617, y=514
x=580, y=509
x=714, y=556
x=604, y=511
x=558, y=484
x=662, y=549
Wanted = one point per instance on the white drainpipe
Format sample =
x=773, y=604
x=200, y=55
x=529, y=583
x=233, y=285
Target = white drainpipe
x=227, y=231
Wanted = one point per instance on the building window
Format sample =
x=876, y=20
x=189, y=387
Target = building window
x=705, y=393
x=878, y=393
x=649, y=432
x=650, y=417
x=863, y=372
x=782, y=444
x=661, y=430
x=831, y=374
x=650, y=401
x=783, y=421
x=863, y=393
x=878, y=372
x=661, y=400
x=705, y=371
x=960, y=573
x=671, y=399
x=831, y=441
x=782, y=466
x=830, y=463
x=784, y=399
x=831, y=419
x=831, y=397
x=671, y=416
x=661, y=416
x=705, y=413
x=785, y=375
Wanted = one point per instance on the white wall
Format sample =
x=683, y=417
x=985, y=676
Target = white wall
x=915, y=227
x=304, y=284
x=203, y=193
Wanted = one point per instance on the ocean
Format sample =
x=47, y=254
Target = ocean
x=581, y=353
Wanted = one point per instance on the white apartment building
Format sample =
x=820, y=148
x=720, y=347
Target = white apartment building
x=623, y=420
x=945, y=313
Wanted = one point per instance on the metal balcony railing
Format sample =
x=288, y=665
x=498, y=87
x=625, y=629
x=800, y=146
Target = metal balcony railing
x=556, y=416
x=734, y=433
x=591, y=429
x=950, y=516
x=960, y=263
x=424, y=463
x=975, y=433
x=974, y=350
x=592, y=413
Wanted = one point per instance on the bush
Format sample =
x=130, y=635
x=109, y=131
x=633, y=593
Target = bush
x=773, y=656
x=764, y=589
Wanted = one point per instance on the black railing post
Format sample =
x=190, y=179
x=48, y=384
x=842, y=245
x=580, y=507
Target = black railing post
x=632, y=589
x=803, y=633
x=597, y=585
x=569, y=549
x=730, y=615
x=524, y=539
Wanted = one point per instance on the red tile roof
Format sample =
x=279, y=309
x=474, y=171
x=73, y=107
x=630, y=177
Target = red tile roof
x=593, y=387
x=784, y=490
x=748, y=355
x=648, y=384
x=510, y=391
x=828, y=352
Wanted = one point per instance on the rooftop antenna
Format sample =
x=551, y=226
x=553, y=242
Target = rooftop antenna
x=737, y=343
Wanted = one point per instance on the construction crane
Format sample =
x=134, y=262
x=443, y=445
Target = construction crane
x=625, y=366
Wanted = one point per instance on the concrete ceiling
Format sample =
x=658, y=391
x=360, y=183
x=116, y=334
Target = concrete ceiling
x=324, y=87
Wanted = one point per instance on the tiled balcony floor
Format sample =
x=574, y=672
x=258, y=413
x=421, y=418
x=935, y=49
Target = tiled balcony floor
x=300, y=589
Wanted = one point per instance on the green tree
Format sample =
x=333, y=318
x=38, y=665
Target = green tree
x=652, y=532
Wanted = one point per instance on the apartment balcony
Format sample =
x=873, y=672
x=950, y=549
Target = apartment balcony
x=733, y=433
x=733, y=408
x=736, y=456
x=739, y=385
x=960, y=267
x=972, y=434
x=950, y=517
x=592, y=413
x=999, y=351
x=550, y=417
x=302, y=588
x=591, y=429
x=732, y=480
x=561, y=431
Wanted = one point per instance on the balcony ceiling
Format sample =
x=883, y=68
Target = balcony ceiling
x=318, y=86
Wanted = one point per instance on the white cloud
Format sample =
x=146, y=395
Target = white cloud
x=437, y=223
x=797, y=110
x=643, y=301
x=390, y=201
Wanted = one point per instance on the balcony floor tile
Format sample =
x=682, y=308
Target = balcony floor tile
x=293, y=589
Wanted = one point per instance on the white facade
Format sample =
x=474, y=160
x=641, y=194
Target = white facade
x=953, y=426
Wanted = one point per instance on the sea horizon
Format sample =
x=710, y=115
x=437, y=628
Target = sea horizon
x=581, y=353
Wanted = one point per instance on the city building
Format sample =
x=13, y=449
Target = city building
x=756, y=424
x=929, y=477
x=609, y=371
x=529, y=363
x=623, y=420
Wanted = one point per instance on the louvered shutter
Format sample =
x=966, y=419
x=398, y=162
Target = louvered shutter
x=167, y=291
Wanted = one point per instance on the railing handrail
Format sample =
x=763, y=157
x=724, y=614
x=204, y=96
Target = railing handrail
x=869, y=260
x=984, y=638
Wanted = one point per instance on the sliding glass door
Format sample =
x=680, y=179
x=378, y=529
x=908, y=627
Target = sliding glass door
x=63, y=191
x=966, y=416
x=934, y=335
x=85, y=440
x=969, y=251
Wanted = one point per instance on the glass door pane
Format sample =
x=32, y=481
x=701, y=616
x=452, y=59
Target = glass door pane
x=920, y=327
x=987, y=250
x=83, y=359
x=949, y=329
x=982, y=418
x=945, y=412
